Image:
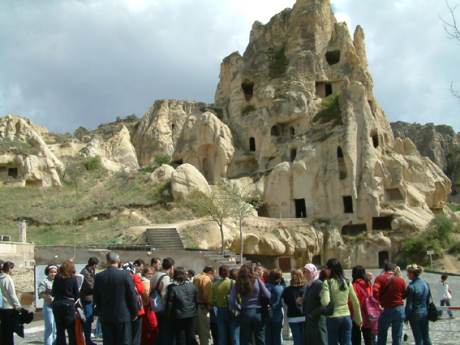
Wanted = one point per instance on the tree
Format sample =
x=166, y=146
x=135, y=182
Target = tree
x=453, y=32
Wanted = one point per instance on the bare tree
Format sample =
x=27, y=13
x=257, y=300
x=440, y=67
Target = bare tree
x=453, y=32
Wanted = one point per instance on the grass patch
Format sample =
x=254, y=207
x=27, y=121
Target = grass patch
x=278, y=62
x=18, y=146
x=162, y=159
x=329, y=111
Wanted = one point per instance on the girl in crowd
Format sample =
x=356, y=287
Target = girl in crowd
x=315, y=321
x=418, y=297
x=338, y=291
x=274, y=322
x=296, y=317
x=363, y=289
x=44, y=291
x=253, y=293
x=149, y=322
x=10, y=304
x=65, y=293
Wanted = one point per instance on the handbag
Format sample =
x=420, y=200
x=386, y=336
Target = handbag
x=156, y=302
x=433, y=311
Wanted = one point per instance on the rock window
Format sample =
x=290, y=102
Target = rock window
x=300, y=208
x=292, y=132
x=13, y=172
x=382, y=223
x=323, y=89
x=353, y=229
x=173, y=128
x=347, y=204
x=252, y=144
x=384, y=257
x=375, y=139
x=293, y=154
x=333, y=57
x=393, y=194
x=276, y=131
x=341, y=162
x=248, y=90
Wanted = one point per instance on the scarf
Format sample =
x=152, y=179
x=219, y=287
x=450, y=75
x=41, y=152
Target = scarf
x=314, y=273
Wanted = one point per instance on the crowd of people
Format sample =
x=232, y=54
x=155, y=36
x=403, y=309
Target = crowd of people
x=161, y=304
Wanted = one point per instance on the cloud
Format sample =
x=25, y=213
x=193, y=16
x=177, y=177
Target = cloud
x=81, y=62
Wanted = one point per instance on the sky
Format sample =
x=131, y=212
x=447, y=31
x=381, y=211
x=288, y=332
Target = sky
x=72, y=63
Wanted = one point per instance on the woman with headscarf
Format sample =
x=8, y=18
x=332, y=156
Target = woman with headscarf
x=44, y=291
x=315, y=322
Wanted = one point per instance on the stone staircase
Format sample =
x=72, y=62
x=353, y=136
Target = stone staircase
x=164, y=238
x=229, y=258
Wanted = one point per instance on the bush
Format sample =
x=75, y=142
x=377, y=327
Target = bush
x=414, y=250
x=455, y=248
x=330, y=110
x=162, y=159
x=92, y=163
x=278, y=63
x=443, y=228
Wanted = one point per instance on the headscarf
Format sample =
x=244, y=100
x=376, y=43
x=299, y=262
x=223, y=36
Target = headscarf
x=314, y=273
x=129, y=266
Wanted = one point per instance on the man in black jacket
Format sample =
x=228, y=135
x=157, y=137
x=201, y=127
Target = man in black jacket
x=86, y=296
x=116, y=302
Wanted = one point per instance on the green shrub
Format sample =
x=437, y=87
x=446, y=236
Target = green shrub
x=278, y=63
x=455, y=248
x=162, y=159
x=330, y=110
x=92, y=163
x=442, y=228
x=414, y=250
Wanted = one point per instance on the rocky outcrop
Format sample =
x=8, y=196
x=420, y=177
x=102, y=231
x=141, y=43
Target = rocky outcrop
x=25, y=159
x=162, y=174
x=117, y=153
x=187, y=179
x=160, y=128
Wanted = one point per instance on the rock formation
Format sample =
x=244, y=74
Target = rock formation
x=187, y=179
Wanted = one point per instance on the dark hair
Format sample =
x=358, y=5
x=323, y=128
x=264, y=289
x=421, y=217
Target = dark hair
x=336, y=269
x=7, y=266
x=208, y=269
x=67, y=269
x=179, y=275
x=223, y=271
x=359, y=272
x=245, y=281
x=190, y=273
x=92, y=261
x=153, y=261
x=444, y=277
x=139, y=262
x=322, y=275
x=167, y=263
x=275, y=277
x=389, y=266
x=233, y=274
x=147, y=270
x=47, y=269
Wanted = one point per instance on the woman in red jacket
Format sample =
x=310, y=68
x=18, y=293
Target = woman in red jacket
x=136, y=326
x=150, y=322
x=363, y=290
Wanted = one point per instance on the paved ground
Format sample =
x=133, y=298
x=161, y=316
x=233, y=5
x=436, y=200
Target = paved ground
x=444, y=332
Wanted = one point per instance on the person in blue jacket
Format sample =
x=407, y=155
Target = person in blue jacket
x=274, y=321
x=417, y=300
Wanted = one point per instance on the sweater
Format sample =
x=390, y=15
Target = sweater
x=389, y=290
x=221, y=292
x=9, y=298
x=253, y=300
x=203, y=284
x=290, y=296
x=44, y=291
x=331, y=291
x=276, y=302
x=65, y=288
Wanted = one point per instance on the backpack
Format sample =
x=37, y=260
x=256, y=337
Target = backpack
x=371, y=311
x=156, y=303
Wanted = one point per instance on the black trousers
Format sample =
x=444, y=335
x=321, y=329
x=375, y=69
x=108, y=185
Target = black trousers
x=64, y=316
x=8, y=320
x=136, y=331
x=116, y=333
x=184, y=332
x=356, y=335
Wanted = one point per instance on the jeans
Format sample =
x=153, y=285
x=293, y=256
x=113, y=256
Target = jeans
x=203, y=324
x=251, y=325
x=184, y=332
x=420, y=330
x=366, y=333
x=89, y=315
x=339, y=330
x=273, y=333
x=393, y=317
x=7, y=324
x=50, y=325
x=228, y=329
x=446, y=302
x=297, y=330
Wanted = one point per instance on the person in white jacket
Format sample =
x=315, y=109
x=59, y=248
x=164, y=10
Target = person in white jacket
x=10, y=305
x=445, y=295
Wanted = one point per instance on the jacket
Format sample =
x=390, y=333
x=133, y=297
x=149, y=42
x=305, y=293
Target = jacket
x=44, y=291
x=140, y=292
x=315, y=323
x=290, y=295
x=203, y=284
x=332, y=292
x=417, y=299
x=389, y=290
x=87, y=289
x=444, y=291
x=363, y=290
x=252, y=301
x=9, y=298
x=181, y=301
x=114, y=296
x=276, y=302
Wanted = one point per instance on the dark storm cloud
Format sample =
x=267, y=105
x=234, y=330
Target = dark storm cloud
x=71, y=63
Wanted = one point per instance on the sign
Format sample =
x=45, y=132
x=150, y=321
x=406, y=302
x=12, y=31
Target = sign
x=430, y=252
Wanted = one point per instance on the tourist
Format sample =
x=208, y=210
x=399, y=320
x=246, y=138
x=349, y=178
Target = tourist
x=363, y=290
x=149, y=320
x=315, y=332
x=159, y=284
x=390, y=290
x=337, y=290
x=274, y=321
x=418, y=297
x=136, y=324
x=445, y=295
x=203, y=284
x=156, y=264
x=261, y=273
x=246, y=296
x=1, y=299
x=296, y=317
x=181, y=308
x=86, y=296
x=10, y=304
x=44, y=291
x=190, y=275
x=116, y=302
x=65, y=293
x=227, y=328
x=139, y=266
x=233, y=274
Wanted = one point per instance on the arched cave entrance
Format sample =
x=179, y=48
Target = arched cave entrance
x=248, y=90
